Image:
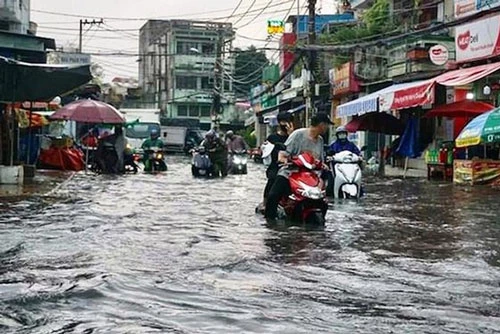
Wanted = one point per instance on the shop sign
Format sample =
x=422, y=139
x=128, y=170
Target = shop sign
x=465, y=8
x=343, y=79
x=478, y=40
x=275, y=27
x=439, y=54
x=68, y=58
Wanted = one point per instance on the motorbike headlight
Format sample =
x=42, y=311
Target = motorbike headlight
x=159, y=156
x=244, y=161
x=237, y=160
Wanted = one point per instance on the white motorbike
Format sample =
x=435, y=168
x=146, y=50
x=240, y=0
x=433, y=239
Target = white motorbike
x=347, y=175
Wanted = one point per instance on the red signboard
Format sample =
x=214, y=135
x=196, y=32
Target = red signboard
x=343, y=79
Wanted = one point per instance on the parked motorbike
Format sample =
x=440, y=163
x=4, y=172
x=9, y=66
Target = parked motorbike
x=154, y=160
x=346, y=176
x=201, y=166
x=307, y=202
x=238, y=162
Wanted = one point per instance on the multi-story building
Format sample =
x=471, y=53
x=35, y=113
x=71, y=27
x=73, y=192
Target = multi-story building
x=177, y=68
x=17, y=33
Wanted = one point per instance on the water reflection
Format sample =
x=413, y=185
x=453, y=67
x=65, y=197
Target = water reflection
x=167, y=253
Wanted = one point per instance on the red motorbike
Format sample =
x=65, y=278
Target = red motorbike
x=307, y=202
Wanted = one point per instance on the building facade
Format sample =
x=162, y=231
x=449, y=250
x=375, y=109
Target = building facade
x=177, y=68
x=18, y=38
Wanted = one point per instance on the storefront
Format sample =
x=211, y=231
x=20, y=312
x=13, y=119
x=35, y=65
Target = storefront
x=344, y=86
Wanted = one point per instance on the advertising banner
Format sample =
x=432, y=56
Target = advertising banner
x=343, y=79
x=478, y=40
x=476, y=172
x=469, y=7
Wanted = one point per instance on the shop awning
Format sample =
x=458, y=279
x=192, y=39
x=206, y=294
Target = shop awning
x=406, y=95
x=363, y=105
x=465, y=108
x=399, y=96
x=21, y=82
x=465, y=76
x=297, y=109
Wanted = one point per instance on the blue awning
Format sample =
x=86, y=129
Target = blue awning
x=297, y=109
x=363, y=105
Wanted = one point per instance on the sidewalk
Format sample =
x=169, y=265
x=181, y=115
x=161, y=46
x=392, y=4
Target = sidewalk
x=399, y=172
x=43, y=182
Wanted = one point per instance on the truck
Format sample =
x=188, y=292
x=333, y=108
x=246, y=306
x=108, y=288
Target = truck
x=180, y=135
x=147, y=120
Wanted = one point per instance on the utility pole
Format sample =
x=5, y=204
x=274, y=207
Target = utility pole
x=218, y=75
x=311, y=40
x=84, y=23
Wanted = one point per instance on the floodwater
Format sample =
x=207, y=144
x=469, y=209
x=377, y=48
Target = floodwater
x=170, y=254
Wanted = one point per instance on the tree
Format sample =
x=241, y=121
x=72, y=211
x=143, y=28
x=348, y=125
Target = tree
x=375, y=23
x=248, y=69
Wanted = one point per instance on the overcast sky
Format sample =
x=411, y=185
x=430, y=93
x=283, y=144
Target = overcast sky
x=63, y=23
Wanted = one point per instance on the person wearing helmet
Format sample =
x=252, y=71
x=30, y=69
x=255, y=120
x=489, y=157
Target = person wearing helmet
x=342, y=143
x=217, y=152
x=235, y=143
x=153, y=141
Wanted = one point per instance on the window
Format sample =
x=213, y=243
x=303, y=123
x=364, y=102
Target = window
x=194, y=111
x=184, y=48
x=205, y=110
x=208, y=49
x=141, y=130
x=206, y=83
x=182, y=110
x=227, y=86
x=183, y=82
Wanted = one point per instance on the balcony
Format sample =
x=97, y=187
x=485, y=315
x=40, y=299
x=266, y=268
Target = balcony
x=10, y=11
x=412, y=58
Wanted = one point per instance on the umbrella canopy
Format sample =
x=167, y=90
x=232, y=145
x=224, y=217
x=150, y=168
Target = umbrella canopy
x=21, y=82
x=465, y=108
x=380, y=122
x=89, y=111
x=484, y=129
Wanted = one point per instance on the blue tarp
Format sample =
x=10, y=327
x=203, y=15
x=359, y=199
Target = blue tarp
x=409, y=145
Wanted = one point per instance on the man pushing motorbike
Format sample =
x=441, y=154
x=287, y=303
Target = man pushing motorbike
x=300, y=141
x=217, y=152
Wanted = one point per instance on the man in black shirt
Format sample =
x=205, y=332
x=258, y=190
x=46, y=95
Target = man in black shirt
x=285, y=128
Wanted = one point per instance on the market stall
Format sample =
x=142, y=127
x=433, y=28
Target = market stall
x=441, y=158
x=481, y=139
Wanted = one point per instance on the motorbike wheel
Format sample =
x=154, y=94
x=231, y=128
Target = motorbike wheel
x=315, y=218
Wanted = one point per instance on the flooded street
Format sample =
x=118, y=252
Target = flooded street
x=170, y=254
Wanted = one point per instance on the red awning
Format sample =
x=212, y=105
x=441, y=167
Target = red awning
x=466, y=76
x=465, y=108
x=408, y=95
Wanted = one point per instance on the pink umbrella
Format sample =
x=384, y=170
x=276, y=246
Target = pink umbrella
x=89, y=111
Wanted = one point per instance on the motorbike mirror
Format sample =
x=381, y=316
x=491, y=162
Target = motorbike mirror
x=164, y=134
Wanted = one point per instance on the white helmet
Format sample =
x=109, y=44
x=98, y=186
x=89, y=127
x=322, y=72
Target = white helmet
x=341, y=129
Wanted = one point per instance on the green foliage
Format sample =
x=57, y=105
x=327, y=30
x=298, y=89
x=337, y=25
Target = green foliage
x=375, y=21
x=247, y=134
x=248, y=69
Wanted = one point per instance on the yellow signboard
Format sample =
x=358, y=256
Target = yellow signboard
x=275, y=27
